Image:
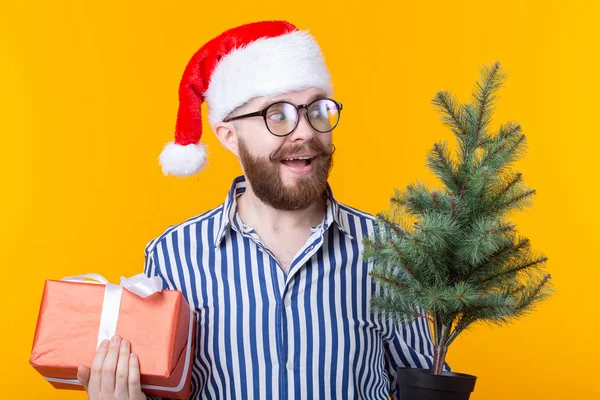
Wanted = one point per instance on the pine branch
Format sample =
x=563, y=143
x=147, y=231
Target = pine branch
x=502, y=253
x=507, y=131
x=494, y=313
x=516, y=269
x=535, y=295
x=395, y=309
x=495, y=152
x=440, y=270
x=453, y=207
x=390, y=224
x=506, y=147
x=439, y=162
x=516, y=290
x=511, y=183
x=455, y=116
x=518, y=198
x=513, y=152
x=386, y=279
x=511, y=203
x=436, y=201
x=463, y=323
x=490, y=82
x=417, y=199
x=466, y=181
x=482, y=240
x=403, y=264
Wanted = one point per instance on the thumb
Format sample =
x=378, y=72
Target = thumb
x=83, y=375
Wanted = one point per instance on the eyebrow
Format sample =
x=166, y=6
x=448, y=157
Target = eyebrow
x=320, y=95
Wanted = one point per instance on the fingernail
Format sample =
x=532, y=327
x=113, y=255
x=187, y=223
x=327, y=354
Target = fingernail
x=132, y=356
x=105, y=342
x=115, y=339
x=124, y=344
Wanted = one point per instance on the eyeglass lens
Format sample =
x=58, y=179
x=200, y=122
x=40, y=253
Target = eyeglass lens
x=282, y=118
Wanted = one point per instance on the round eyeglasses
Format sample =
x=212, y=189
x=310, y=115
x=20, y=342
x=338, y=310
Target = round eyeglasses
x=282, y=117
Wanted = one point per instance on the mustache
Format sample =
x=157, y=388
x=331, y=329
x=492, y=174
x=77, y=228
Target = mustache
x=313, y=146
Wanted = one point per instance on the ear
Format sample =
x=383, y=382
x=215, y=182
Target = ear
x=227, y=135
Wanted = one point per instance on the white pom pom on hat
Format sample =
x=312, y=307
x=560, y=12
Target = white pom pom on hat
x=264, y=58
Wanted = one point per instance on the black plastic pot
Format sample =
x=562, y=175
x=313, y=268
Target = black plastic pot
x=422, y=384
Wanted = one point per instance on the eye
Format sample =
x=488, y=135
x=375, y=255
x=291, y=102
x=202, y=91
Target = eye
x=277, y=116
x=322, y=109
x=316, y=113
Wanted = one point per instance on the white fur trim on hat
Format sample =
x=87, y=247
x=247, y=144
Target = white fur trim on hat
x=265, y=67
x=182, y=160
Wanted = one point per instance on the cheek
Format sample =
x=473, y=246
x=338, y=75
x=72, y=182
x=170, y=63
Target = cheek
x=259, y=142
x=325, y=140
x=263, y=149
x=270, y=143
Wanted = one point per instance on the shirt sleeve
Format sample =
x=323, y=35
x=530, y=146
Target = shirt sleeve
x=152, y=268
x=409, y=345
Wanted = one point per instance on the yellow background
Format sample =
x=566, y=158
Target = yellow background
x=89, y=97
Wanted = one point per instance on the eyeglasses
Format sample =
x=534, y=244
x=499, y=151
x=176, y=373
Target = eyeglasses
x=282, y=117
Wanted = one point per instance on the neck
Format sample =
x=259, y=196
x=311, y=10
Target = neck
x=255, y=213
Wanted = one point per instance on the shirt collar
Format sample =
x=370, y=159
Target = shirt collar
x=332, y=213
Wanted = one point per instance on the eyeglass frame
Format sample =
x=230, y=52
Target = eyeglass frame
x=263, y=113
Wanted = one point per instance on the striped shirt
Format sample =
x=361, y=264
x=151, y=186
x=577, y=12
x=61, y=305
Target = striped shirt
x=262, y=334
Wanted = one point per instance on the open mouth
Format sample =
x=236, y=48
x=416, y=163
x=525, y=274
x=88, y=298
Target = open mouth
x=298, y=162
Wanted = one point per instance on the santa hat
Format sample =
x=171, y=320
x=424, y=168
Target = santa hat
x=258, y=59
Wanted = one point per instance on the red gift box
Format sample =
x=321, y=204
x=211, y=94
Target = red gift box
x=75, y=316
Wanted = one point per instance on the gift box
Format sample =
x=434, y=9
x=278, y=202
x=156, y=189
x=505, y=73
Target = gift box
x=76, y=315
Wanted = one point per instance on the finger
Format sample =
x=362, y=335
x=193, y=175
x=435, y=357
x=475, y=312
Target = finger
x=121, y=386
x=110, y=366
x=83, y=375
x=96, y=376
x=135, y=385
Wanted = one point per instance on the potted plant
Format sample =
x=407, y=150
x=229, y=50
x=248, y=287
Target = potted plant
x=449, y=254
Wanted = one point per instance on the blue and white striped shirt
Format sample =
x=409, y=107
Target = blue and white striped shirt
x=263, y=334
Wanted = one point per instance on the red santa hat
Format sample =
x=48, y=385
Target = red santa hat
x=258, y=59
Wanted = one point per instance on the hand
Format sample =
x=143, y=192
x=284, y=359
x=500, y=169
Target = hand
x=115, y=373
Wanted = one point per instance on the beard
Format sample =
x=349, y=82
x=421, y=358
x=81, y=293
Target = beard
x=264, y=176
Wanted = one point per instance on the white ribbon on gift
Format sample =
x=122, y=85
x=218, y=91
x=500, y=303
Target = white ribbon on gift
x=142, y=286
x=139, y=284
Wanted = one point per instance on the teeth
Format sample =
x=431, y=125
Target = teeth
x=297, y=158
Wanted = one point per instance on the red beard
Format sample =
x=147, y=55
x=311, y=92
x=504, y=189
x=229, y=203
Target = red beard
x=265, y=177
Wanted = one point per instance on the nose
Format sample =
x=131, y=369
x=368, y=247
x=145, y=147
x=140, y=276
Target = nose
x=304, y=131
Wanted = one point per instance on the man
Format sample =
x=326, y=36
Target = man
x=275, y=273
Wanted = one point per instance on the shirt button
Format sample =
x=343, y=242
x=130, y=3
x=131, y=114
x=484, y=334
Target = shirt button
x=290, y=365
x=288, y=302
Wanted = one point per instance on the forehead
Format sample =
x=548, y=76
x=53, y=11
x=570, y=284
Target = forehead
x=298, y=97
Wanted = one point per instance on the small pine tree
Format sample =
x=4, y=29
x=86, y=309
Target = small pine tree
x=449, y=255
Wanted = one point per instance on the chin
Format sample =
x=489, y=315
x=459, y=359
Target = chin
x=290, y=178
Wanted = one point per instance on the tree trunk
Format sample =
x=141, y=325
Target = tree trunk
x=439, y=358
